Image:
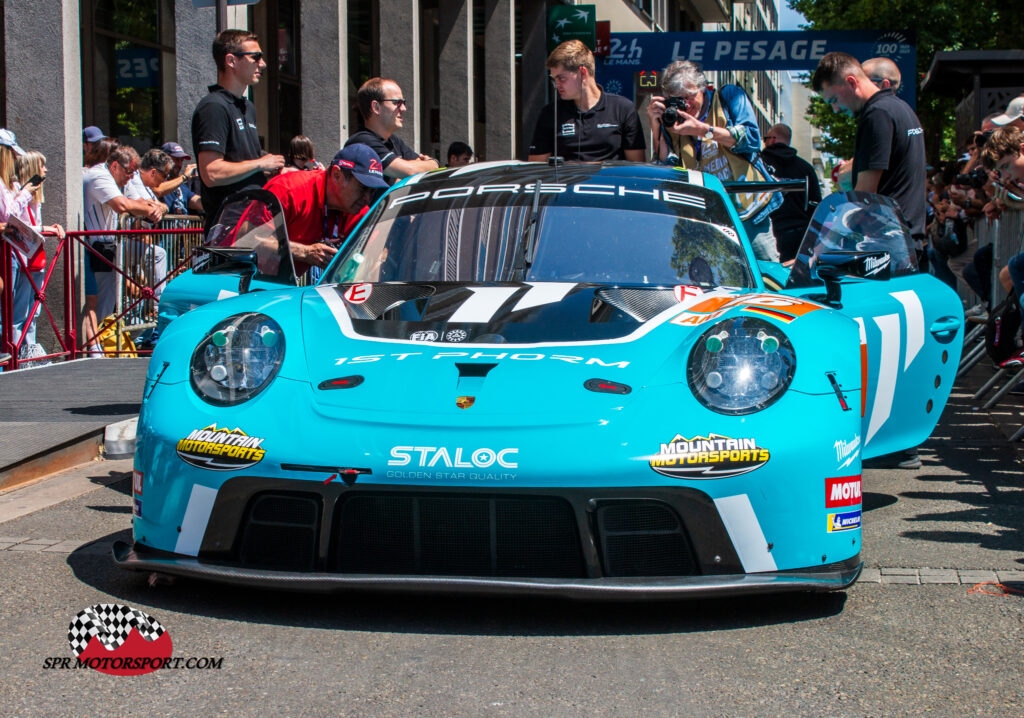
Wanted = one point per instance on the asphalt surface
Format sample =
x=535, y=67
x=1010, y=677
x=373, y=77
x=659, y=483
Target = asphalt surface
x=44, y=407
x=877, y=649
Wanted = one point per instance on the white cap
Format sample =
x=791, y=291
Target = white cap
x=7, y=138
x=1014, y=110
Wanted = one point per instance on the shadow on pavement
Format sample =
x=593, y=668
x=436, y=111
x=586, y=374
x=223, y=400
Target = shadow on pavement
x=497, y=616
x=872, y=501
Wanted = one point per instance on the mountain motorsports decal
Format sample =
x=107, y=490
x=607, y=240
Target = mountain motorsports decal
x=221, y=449
x=708, y=457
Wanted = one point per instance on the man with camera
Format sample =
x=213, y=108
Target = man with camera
x=585, y=123
x=715, y=131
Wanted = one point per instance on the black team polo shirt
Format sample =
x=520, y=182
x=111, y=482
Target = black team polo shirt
x=226, y=124
x=388, y=150
x=889, y=138
x=604, y=132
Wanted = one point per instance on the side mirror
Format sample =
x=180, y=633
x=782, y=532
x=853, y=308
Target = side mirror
x=832, y=267
x=230, y=260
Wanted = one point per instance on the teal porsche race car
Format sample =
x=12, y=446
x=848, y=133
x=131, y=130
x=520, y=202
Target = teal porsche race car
x=521, y=378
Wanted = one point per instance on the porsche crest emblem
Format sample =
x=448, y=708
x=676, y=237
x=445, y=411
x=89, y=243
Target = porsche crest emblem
x=464, y=402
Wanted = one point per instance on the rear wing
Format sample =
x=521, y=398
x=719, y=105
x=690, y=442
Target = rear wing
x=800, y=185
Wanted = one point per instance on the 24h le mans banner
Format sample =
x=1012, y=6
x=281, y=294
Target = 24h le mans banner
x=635, y=52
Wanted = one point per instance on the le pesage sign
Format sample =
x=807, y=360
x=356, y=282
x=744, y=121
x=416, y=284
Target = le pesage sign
x=634, y=52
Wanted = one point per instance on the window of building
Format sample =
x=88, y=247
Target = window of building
x=363, y=50
x=283, y=83
x=128, y=69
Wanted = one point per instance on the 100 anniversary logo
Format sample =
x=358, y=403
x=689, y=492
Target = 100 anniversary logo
x=221, y=449
x=708, y=457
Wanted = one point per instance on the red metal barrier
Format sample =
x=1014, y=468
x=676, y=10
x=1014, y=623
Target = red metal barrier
x=67, y=338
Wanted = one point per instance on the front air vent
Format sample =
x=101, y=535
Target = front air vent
x=279, y=531
x=643, y=538
x=457, y=536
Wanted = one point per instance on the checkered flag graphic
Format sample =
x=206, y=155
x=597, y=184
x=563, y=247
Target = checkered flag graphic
x=111, y=623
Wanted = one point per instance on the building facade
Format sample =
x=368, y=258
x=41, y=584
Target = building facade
x=471, y=70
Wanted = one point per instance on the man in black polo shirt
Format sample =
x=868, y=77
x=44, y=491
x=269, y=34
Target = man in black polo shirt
x=383, y=108
x=591, y=124
x=889, y=156
x=224, y=133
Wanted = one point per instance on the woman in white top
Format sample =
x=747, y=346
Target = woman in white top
x=28, y=203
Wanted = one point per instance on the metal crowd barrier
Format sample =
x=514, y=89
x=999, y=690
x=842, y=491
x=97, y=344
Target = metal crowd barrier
x=151, y=260
x=141, y=279
x=1006, y=235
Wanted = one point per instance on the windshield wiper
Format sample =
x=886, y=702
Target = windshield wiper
x=528, y=240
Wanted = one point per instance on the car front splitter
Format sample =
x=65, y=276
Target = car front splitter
x=831, y=578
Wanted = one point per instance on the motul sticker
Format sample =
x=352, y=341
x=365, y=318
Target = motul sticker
x=842, y=491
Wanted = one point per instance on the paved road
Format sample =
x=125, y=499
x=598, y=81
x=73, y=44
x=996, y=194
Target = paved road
x=886, y=648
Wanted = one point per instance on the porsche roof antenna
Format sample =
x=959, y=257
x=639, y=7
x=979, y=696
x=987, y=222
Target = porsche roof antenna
x=554, y=160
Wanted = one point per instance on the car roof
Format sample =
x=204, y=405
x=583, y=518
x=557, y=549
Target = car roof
x=515, y=171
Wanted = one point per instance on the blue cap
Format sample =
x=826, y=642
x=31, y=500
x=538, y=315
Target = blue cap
x=363, y=162
x=92, y=133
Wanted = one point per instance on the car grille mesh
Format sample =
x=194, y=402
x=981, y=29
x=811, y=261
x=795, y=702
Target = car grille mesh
x=280, y=531
x=457, y=536
x=643, y=538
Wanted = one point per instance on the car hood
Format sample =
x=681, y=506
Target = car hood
x=521, y=349
x=513, y=347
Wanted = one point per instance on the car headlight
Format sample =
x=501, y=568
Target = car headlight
x=740, y=366
x=237, y=359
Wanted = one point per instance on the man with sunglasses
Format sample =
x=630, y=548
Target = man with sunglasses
x=383, y=109
x=321, y=207
x=224, y=132
x=104, y=197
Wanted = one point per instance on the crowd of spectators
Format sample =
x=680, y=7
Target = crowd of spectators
x=972, y=191
x=711, y=129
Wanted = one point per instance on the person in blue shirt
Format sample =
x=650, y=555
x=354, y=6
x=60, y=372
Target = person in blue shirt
x=176, y=192
x=715, y=131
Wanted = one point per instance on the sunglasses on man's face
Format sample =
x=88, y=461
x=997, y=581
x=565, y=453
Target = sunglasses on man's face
x=255, y=55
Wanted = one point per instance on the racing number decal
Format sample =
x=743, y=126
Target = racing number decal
x=358, y=293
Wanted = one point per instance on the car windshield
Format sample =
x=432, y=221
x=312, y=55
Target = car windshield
x=854, y=222
x=614, y=230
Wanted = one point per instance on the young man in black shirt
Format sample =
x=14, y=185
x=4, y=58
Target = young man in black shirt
x=224, y=133
x=383, y=109
x=591, y=124
x=889, y=156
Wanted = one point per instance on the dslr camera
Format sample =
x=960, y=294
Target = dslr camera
x=976, y=178
x=672, y=107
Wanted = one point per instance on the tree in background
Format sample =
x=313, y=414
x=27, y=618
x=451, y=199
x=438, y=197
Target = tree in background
x=941, y=25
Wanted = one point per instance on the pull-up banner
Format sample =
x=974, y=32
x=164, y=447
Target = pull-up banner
x=633, y=53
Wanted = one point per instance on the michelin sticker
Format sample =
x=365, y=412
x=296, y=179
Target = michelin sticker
x=221, y=449
x=843, y=522
x=708, y=457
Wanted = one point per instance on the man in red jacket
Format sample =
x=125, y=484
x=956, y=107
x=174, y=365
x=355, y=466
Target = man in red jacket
x=322, y=207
